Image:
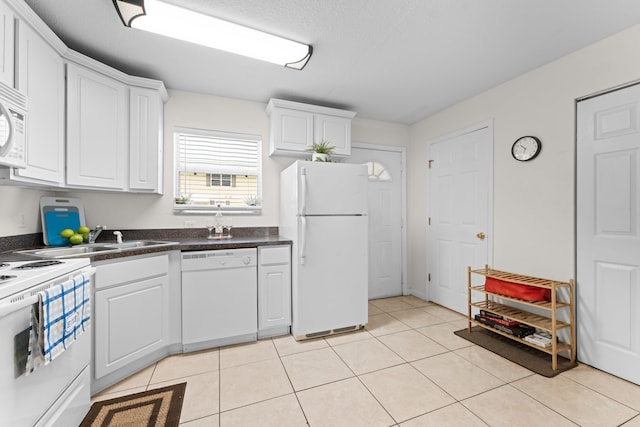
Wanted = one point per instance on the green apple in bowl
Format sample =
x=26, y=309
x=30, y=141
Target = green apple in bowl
x=66, y=233
x=76, y=239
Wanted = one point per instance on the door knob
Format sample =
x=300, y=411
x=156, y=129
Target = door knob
x=481, y=235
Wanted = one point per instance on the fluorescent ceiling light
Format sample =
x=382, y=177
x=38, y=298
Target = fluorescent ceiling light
x=183, y=24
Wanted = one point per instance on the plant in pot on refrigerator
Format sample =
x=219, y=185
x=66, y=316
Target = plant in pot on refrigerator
x=321, y=151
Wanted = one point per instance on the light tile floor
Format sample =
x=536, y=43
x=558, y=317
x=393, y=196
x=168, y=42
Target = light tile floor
x=406, y=368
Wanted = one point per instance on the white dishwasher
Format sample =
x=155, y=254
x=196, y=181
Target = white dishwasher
x=219, y=298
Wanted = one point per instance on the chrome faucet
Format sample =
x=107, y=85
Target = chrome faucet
x=93, y=234
x=118, y=235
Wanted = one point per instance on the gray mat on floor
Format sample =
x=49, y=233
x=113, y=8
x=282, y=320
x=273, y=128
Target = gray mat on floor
x=528, y=357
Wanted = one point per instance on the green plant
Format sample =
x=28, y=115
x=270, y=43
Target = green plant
x=251, y=201
x=321, y=159
x=322, y=147
x=182, y=200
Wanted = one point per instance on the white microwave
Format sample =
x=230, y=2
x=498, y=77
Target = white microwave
x=13, y=119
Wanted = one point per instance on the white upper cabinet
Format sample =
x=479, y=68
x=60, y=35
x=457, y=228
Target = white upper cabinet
x=115, y=129
x=102, y=131
x=97, y=129
x=291, y=131
x=40, y=76
x=145, y=141
x=296, y=126
x=7, y=46
x=334, y=129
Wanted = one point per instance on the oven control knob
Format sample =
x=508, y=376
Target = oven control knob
x=246, y=260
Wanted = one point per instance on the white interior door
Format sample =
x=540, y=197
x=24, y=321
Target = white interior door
x=386, y=201
x=608, y=232
x=460, y=205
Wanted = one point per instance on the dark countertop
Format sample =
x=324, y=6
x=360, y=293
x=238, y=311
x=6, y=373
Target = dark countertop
x=190, y=244
x=186, y=239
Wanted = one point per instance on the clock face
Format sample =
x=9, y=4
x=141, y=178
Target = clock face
x=526, y=148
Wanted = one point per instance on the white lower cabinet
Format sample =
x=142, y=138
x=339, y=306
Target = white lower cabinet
x=274, y=290
x=131, y=313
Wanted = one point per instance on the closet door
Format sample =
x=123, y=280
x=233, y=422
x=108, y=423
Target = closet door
x=608, y=232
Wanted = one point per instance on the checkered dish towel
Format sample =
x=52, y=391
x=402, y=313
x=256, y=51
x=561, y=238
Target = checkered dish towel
x=62, y=313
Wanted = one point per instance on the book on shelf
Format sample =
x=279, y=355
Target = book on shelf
x=498, y=319
x=539, y=340
x=519, y=330
x=543, y=334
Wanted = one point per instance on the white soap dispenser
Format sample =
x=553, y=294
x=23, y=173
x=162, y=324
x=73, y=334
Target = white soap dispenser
x=218, y=222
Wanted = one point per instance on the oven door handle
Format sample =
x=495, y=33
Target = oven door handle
x=26, y=299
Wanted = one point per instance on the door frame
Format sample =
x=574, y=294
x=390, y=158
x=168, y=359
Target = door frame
x=490, y=202
x=403, y=195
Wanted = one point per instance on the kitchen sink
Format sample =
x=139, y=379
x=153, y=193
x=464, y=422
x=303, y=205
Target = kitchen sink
x=93, y=249
x=136, y=244
x=66, y=252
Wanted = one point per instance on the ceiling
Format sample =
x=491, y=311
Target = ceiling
x=392, y=60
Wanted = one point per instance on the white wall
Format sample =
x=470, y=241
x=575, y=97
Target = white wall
x=19, y=211
x=185, y=109
x=533, y=201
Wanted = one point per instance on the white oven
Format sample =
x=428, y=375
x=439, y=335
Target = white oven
x=13, y=117
x=56, y=394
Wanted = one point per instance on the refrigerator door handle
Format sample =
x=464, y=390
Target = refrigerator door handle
x=303, y=191
x=303, y=232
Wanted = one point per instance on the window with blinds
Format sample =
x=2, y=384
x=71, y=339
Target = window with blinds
x=217, y=170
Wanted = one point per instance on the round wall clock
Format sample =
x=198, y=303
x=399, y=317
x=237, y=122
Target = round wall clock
x=526, y=148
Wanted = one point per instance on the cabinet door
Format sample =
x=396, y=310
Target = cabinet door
x=146, y=137
x=131, y=321
x=336, y=130
x=274, y=287
x=97, y=129
x=291, y=130
x=274, y=296
x=6, y=45
x=41, y=78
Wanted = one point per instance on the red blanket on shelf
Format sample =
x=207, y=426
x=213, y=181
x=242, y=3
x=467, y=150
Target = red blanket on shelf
x=516, y=290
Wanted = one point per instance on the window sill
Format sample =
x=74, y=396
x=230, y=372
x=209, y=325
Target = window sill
x=212, y=210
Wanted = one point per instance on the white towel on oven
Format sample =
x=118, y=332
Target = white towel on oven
x=62, y=313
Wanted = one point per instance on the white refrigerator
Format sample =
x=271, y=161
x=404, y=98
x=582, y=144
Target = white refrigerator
x=323, y=210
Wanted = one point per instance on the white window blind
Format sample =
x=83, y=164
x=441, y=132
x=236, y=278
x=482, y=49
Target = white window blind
x=217, y=170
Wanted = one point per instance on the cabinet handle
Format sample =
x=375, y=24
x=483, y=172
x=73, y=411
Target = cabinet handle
x=481, y=235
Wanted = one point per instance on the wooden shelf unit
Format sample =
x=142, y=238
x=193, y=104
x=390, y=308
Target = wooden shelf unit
x=548, y=323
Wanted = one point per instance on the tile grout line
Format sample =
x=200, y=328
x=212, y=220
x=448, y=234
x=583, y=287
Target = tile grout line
x=601, y=394
x=219, y=387
x=550, y=408
x=409, y=363
x=420, y=372
x=295, y=393
x=361, y=382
